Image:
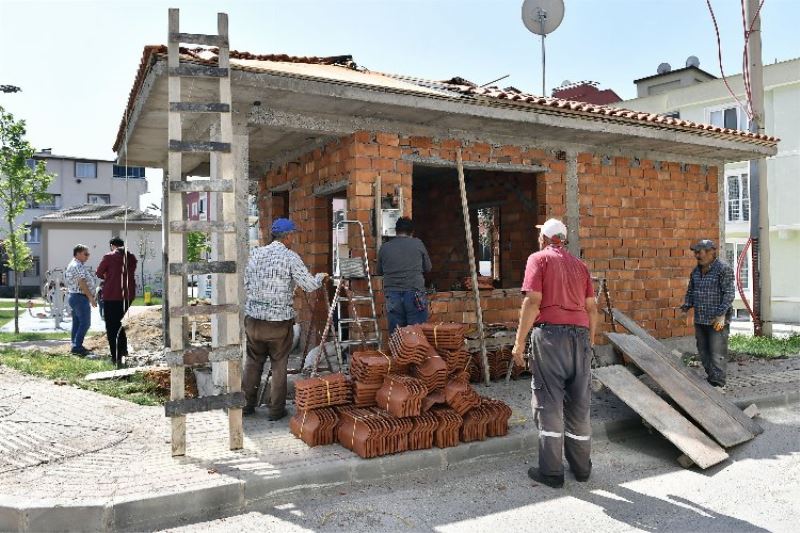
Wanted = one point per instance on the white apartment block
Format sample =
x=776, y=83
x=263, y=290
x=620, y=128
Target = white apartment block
x=707, y=100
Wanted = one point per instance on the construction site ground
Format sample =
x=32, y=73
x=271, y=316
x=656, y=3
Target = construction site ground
x=71, y=459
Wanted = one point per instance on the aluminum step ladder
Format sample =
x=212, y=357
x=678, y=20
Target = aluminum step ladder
x=346, y=271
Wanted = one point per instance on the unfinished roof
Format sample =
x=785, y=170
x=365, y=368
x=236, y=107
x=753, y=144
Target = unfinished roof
x=113, y=214
x=327, y=96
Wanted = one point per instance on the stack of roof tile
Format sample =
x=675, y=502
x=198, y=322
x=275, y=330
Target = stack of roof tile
x=498, y=366
x=323, y=391
x=421, y=435
x=460, y=396
x=315, y=427
x=475, y=422
x=457, y=360
x=409, y=346
x=370, y=366
x=364, y=394
x=448, y=427
x=433, y=398
x=372, y=432
x=445, y=335
x=401, y=395
x=498, y=422
x=432, y=372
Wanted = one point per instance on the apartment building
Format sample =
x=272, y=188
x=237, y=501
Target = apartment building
x=77, y=181
x=704, y=98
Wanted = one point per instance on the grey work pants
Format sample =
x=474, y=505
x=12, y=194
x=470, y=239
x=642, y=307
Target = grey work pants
x=712, y=346
x=267, y=339
x=561, y=397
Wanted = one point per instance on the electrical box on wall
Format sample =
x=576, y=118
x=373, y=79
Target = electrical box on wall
x=388, y=221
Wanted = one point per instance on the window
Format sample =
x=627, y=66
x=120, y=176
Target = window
x=732, y=253
x=98, y=198
x=202, y=207
x=194, y=209
x=33, y=271
x=33, y=235
x=673, y=114
x=85, y=170
x=738, y=197
x=489, y=241
x=31, y=163
x=728, y=117
x=119, y=171
x=52, y=201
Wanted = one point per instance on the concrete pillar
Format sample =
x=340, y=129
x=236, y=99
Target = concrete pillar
x=573, y=204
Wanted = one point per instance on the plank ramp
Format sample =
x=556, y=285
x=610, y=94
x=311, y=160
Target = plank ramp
x=715, y=420
x=695, y=444
x=690, y=376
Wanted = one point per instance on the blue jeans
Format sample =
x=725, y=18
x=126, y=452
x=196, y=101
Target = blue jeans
x=404, y=308
x=712, y=346
x=81, y=320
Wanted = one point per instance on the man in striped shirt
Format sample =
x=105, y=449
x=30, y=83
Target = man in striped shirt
x=272, y=273
x=80, y=284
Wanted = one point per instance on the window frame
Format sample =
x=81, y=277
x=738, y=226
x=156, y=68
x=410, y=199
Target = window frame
x=30, y=232
x=36, y=268
x=85, y=177
x=742, y=120
x=90, y=194
x=742, y=201
x=736, y=247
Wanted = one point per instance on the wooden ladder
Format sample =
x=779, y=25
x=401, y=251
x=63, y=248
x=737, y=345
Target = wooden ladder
x=226, y=337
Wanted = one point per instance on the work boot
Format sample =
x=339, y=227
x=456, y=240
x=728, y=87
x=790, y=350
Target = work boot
x=277, y=416
x=583, y=477
x=555, y=482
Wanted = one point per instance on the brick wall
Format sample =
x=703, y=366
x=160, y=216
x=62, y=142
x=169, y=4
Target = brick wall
x=637, y=217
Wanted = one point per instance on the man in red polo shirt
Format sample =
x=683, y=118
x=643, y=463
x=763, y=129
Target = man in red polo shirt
x=559, y=302
x=117, y=269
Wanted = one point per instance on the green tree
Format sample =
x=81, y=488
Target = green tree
x=19, y=184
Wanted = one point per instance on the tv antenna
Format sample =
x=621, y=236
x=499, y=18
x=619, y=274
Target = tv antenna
x=542, y=17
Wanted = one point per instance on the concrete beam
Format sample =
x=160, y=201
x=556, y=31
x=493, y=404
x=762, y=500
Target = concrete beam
x=573, y=205
x=473, y=165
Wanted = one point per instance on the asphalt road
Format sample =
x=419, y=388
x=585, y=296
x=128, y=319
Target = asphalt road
x=637, y=486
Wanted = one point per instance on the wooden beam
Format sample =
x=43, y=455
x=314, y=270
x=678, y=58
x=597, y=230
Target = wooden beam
x=201, y=355
x=194, y=310
x=203, y=267
x=204, y=403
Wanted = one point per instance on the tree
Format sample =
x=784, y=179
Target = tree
x=20, y=183
x=197, y=248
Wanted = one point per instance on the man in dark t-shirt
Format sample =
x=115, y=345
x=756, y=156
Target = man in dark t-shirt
x=402, y=262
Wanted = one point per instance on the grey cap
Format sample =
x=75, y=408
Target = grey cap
x=703, y=244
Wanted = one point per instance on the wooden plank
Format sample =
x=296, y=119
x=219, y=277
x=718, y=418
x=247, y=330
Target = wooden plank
x=203, y=267
x=194, y=310
x=199, y=38
x=199, y=107
x=198, y=146
x=201, y=186
x=725, y=430
x=204, y=403
x=117, y=374
x=198, y=71
x=201, y=355
x=698, y=382
x=661, y=416
x=206, y=226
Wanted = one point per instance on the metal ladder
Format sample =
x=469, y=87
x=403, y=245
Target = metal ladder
x=347, y=269
x=227, y=346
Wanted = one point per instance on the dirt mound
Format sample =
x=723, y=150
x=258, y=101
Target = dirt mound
x=160, y=378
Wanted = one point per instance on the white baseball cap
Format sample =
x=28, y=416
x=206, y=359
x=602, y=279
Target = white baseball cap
x=554, y=229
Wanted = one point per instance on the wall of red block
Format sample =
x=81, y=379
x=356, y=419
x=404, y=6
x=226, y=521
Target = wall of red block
x=637, y=218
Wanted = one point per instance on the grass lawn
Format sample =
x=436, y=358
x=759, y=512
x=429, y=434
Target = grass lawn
x=153, y=301
x=6, y=336
x=73, y=369
x=764, y=347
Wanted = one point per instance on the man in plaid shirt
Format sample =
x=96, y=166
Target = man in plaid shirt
x=272, y=273
x=80, y=284
x=711, y=294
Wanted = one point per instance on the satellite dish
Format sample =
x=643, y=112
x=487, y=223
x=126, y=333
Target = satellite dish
x=542, y=16
x=663, y=68
x=692, y=61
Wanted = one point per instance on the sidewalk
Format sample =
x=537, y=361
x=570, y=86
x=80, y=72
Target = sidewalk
x=73, y=459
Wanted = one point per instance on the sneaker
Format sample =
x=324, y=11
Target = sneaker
x=555, y=482
x=248, y=410
x=273, y=417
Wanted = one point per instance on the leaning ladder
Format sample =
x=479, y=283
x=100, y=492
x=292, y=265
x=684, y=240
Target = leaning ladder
x=227, y=337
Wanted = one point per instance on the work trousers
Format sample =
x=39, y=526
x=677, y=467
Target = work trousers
x=561, y=397
x=273, y=340
x=81, y=320
x=405, y=308
x=712, y=346
x=117, y=340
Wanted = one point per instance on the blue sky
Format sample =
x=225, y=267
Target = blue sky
x=76, y=60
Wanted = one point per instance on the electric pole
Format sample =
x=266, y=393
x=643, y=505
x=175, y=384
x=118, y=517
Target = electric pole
x=759, y=220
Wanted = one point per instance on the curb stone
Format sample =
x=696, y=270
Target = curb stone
x=237, y=496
